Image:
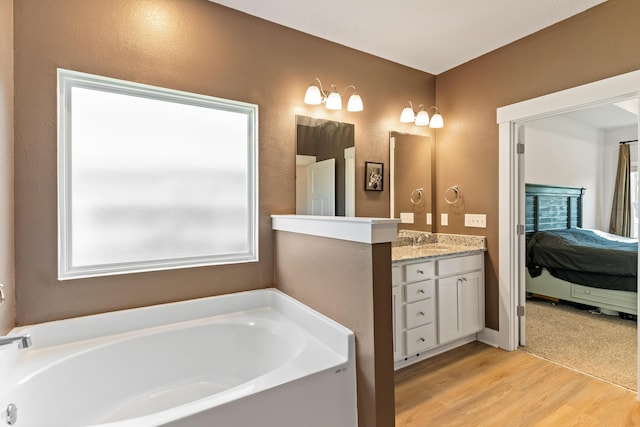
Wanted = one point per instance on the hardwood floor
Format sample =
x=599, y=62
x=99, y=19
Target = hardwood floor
x=478, y=385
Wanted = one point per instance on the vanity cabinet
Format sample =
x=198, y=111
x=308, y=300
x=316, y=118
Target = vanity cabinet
x=414, y=308
x=460, y=297
x=396, y=295
x=437, y=305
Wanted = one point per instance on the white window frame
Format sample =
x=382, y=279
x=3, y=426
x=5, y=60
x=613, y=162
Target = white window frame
x=67, y=268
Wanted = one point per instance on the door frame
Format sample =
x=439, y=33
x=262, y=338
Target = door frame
x=511, y=245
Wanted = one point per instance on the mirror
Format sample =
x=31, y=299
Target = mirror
x=325, y=167
x=411, y=179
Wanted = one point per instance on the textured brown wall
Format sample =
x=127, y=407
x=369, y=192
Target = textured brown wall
x=196, y=46
x=7, y=310
x=601, y=42
x=350, y=283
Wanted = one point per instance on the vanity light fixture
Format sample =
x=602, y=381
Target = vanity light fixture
x=422, y=118
x=316, y=95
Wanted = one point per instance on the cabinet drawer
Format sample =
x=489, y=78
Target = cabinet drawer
x=396, y=275
x=420, y=290
x=421, y=339
x=459, y=265
x=420, y=271
x=420, y=313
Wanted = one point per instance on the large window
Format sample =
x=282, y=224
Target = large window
x=152, y=178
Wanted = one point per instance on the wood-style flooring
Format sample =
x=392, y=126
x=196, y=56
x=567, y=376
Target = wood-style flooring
x=478, y=385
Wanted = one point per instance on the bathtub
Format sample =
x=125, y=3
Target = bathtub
x=257, y=358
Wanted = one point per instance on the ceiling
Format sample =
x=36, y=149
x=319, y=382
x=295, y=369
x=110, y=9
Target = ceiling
x=607, y=116
x=433, y=35
x=429, y=35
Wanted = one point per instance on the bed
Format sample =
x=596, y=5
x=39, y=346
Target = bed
x=567, y=262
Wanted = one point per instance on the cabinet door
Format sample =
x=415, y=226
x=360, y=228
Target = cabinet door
x=460, y=306
x=448, y=327
x=471, y=303
x=398, y=336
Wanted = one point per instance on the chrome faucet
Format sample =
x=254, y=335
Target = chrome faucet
x=419, y=239
x=24, y=341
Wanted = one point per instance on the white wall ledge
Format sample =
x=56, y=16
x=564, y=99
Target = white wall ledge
x=355, y=229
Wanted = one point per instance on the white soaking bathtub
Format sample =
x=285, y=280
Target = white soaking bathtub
x=257, y=358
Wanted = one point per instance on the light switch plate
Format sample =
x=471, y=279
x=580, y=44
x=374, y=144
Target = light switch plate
x=475, y=220
x=444, y=219
x=406, y=217
x=429, y=219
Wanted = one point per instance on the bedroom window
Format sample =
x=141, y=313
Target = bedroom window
x=152, y=178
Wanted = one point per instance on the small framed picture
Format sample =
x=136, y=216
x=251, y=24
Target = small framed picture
x=373, y=176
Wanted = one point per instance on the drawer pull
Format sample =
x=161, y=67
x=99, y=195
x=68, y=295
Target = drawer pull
x=587, y=291
x=421, y=340
x=420, y=313
x=420, y=291
x=419, y=271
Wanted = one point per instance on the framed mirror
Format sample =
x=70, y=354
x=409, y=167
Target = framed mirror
x=325, y=167
x=411, y=175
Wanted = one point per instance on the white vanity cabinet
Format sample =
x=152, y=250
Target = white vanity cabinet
x=438, y=304
x=460, y=297
x=414, y=308
x=396, y=294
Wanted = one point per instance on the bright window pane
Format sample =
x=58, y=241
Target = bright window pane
x=153, y=178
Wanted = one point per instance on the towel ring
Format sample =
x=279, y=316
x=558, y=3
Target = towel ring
x=416, y=196
x=453, y=189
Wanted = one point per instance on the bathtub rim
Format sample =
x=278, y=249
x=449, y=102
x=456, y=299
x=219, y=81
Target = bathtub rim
x=58, y=332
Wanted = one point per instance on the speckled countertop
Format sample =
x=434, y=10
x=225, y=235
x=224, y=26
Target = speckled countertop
x=416, y=245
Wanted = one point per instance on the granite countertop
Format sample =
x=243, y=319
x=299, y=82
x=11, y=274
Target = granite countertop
x=411, y=245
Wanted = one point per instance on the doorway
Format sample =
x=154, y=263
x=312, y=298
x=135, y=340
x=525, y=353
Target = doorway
x=511, y=235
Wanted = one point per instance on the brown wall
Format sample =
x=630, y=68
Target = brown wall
x=7, y=310
x=202, y=47
x=601, y=42
x=349, y=282
x=196, y=46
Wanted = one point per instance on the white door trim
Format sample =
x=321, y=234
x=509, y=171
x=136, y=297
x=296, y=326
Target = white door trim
x=350, y=181
x=508, y=117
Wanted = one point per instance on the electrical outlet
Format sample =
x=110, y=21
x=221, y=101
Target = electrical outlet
x=429, y=220
x=406, y=217
x=444, y=219
x=475, y=220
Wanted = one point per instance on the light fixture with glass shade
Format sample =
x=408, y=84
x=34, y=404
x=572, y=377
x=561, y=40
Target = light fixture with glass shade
x=316, y=95
x=407, y=115
x=422, y=118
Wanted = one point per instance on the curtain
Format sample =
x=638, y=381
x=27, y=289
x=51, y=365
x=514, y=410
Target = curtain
x=621, y=210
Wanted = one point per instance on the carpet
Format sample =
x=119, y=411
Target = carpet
x=597, y=344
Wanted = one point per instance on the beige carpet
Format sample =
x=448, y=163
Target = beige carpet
x=599, y=345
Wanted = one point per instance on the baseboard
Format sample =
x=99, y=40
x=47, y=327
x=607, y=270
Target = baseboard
x=410, y=360
x=490, y=337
